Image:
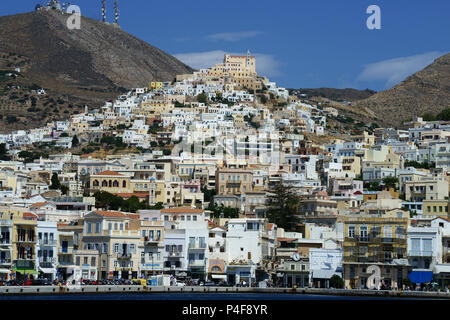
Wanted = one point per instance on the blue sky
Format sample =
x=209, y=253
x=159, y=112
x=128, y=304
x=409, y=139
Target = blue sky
x=300, y=44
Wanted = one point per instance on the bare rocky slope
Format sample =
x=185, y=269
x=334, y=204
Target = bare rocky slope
x=77, y=67
x=427, y=91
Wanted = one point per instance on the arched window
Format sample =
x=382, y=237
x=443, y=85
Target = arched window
x=116, y=184
x=216, y=269
x=96, y=183
x=124, y=184
x=104, y=183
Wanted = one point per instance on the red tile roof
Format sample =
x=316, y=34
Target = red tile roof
x=39, y=204
x=111, y=214
x=117, y=214
x=286, y=239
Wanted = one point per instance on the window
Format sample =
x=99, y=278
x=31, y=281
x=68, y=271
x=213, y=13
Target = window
x=89, y=227
x=93, y=262
x=116, y=263
x=188, y=218
x=121, y=226
x=97, y=227
x=427, y=245
x=85, y=260
x=78, y=261
x=116, y=247
x=104, y=263
x=115, y=226
x=109, y=226
x=351, y=231
x=182, y=218
x=363, y=232
x=144, y=233
x=194, y=218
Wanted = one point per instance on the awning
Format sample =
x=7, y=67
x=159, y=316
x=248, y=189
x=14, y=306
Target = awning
x=219, y=276
x=421, y=276
x=5, y=271
x=47, y=270
x=25, y=271
x=323, y=274
x=442, y=268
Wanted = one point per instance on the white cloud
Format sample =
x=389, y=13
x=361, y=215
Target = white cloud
x=232, y=36
x=266, y=64
x=394, y=71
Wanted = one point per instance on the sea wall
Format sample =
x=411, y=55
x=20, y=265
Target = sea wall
x=35, y=290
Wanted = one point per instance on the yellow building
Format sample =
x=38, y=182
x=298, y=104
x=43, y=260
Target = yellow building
x=155, y=85
x=375, y=240
x=24, y=245
x=435, y=208
x=351, y=165
x=110, y=181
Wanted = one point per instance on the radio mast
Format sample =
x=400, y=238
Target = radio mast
x=116, y=11
x=103, y=10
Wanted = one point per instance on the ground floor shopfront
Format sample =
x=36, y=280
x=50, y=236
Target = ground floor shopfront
x=241, y=275
x=293, y=279
x=391, y=276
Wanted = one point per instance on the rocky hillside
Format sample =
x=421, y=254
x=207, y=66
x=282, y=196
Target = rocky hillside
x=338, y=95
x=427, y=91
x=76, y=67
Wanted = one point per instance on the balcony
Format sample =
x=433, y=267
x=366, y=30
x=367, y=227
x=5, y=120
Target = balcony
x=148, y=240
x=200, y=246
x=196, y=263
x=5, y=242
x=43, y=242
x=420, y=253
x=123, y=255
x=6, y=261
x=47, y=259
x=26, y=240
x=175, y=254
x=65, y=250
x=234, y=184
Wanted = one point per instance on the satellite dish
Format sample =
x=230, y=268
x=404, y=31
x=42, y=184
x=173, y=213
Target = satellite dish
x=296, y=257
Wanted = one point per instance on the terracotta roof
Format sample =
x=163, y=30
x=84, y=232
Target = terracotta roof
x=181, y=210
x=108, y=173
x=286, y=239
x=39, y=204
x=117, y=214
x=29, y=214
x=111, y=214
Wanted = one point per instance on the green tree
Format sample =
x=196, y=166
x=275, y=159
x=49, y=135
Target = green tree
x=283, y=205
x=55, y=182
x=374, y=186
x=390, y=182
x=202, y=98
x=4, y=152
x=64, y=189
x=75, y=141
x=336, y=282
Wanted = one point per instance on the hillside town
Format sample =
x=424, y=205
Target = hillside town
x=223, y=177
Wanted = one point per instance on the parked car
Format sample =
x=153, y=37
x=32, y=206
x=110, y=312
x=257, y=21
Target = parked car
x=224, y=284
x=181, y=284
x=209, y=284
x=41, y=282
